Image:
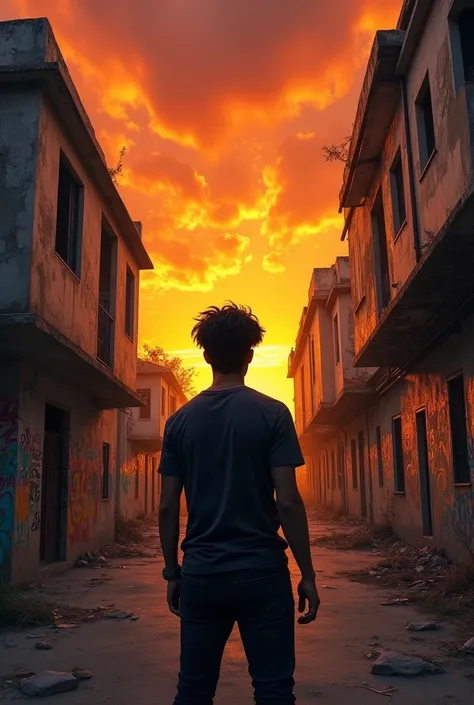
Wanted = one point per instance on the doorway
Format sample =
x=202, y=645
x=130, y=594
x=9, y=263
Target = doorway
x=382, y=272
x=424, y=473
x=362, y=477
x=147, y=486
x=54, y=485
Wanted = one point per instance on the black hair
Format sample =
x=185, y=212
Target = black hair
x=227, y=335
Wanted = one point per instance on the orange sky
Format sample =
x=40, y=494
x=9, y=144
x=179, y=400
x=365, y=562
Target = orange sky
x=224, y=106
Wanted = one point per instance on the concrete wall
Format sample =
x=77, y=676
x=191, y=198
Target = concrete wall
x=88, y=519
x=19, y=125
x=438, y=187
x=67, y=301
x=452, y=505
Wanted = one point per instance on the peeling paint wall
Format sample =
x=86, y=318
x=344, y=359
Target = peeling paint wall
x=19, y=124
x=67, y=301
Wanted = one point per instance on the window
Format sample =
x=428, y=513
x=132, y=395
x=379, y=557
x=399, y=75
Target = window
x=457, y=420
x=312, y=362
x=303, y=395
x=461, y=30
x=137, y=478
x=425, y=122
x=337, y=347
x=105, y=471
x=398, y=467
x=398, y=194
x=164, y=399
x=354, y=464
x=68, y=216
x=326, y=465
x=333, y=470
x=173, y=404
x=378, y=436
x=130, y=303
x=145, y=411
x=379, y=237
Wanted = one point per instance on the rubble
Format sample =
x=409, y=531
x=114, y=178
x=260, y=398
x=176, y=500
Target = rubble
x=391, y=663
x=48, y=683
x=422, y=626
x=468, y=647
x=44, y=645
x=82, y=674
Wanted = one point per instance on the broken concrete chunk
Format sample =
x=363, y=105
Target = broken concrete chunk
x=118, y=615
x=82, y=674
x=468, y=647
x=44, y=645
x=422, y=626
x=391, y=663
x=398, y=601
x=48, y=683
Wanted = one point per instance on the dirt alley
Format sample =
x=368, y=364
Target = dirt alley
x=136, y=661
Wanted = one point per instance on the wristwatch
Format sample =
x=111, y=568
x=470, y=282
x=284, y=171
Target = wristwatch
x=170, y=574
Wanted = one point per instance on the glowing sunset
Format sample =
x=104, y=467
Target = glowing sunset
x=223, y=108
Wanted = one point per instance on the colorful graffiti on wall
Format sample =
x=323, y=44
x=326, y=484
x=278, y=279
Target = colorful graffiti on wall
x=28, y=487
x=8, y=465
x=85, y=472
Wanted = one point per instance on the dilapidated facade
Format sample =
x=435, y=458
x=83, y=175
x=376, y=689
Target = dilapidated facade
x=408, y=201
x=143, y=439
x=70, y=258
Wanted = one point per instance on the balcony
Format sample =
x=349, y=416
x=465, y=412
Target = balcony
x=352, y=401
x=145, y=435
x=105, y=329
x=433, y=298
x=29, y=337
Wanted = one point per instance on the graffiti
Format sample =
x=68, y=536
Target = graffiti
x=28, y=488
x=8, y=462
x=85, y=473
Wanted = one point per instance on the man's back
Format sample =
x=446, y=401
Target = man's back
x=224, y=444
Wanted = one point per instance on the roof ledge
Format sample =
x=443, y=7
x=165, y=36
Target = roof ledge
x=377, y=104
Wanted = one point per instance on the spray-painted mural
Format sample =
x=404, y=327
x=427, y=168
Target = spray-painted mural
x=8, y=466
x=85, y=469
x=28, y=486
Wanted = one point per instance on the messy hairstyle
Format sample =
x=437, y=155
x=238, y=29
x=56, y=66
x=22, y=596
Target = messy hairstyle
x=227, y=335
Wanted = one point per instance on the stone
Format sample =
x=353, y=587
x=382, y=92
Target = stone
x=48, y=683
x=468, y=647
x=118, y=615
x=44, y=645
x=396, y=602
x=82, y=674
x=420, y=569
x=391, y=663
x=422, y=626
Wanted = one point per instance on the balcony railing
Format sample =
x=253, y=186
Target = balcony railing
x=104, y=336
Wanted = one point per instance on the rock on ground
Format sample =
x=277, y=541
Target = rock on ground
x=468, y=647
x=391, y=663
x=48, y=683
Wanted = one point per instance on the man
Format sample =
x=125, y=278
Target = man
x=234, y=451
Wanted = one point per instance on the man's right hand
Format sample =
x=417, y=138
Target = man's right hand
x=308, y=594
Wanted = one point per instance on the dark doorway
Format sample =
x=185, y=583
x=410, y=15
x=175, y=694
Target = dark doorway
x=54, y=485
x=424, y=473
x=382, y=273
x=147, y=484
x=362, y=479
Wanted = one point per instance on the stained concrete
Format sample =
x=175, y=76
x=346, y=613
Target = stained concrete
x=137, y=661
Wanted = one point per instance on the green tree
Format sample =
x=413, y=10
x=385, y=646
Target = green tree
x=184, y=375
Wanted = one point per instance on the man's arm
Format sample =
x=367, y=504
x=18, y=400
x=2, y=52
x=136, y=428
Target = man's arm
x=294, y=523
x=171, y=489
x=293, y=518
x=285, y=455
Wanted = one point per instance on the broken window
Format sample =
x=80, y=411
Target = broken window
x=145, y=411
x=398, y=195
x=68, y=216
x=466, y=30
x=425, y=123
x=457, y=419
x=398, y=466
x=130, y=303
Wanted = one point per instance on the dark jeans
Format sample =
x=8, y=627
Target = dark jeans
x=261, y=602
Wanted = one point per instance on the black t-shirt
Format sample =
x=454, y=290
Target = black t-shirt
x=223, y=444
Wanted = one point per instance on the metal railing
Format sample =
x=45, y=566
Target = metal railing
x=104, y=336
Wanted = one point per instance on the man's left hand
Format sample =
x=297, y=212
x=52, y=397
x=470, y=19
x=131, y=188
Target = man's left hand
x=173, y=595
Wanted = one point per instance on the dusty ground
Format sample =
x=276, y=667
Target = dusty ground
x=136, y=661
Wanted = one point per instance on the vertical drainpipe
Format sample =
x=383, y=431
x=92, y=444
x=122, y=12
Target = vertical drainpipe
x=411, y=171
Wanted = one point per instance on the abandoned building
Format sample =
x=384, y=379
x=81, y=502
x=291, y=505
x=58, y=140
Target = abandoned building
x=407, y=455
x=70, y=260
x=142, y=441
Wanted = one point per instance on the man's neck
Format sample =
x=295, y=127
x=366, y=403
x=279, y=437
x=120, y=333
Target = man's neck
x=223, y=381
